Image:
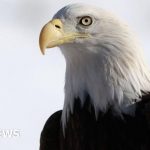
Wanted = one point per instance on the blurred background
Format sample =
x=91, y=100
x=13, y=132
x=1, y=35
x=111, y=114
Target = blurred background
x=31, y=85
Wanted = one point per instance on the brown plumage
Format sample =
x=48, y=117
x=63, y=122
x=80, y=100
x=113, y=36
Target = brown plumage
x=108, y=132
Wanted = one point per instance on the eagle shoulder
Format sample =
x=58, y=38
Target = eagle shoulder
x=50, y=133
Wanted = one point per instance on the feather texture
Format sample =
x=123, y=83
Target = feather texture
x=107, y=132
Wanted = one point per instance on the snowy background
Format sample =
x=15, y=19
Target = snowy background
x=31, y=85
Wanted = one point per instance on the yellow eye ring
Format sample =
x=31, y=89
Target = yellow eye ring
x=86, y=21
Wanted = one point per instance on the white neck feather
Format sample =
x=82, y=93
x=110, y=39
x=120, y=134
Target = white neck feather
x=111, y=75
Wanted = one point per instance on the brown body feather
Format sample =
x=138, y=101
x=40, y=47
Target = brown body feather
x=108, y=132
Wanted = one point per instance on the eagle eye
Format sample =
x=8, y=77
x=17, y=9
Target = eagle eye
x=85, y=21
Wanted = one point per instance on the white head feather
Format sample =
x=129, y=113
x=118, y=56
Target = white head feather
x=109, y=65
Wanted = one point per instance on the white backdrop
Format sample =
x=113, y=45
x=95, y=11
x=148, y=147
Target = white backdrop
x=31, y=85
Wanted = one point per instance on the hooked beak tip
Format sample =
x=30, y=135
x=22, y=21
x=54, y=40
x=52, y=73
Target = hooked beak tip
x=42, y=51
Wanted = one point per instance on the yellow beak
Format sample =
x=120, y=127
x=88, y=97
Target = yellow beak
x=52, y=34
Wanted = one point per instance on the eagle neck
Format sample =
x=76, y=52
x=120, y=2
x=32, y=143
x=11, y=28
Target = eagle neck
x=109, y=81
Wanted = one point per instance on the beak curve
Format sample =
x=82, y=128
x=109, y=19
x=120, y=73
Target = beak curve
x=52, y=35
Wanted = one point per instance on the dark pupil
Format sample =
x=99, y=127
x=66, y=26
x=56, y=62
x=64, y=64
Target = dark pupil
x=86, y=20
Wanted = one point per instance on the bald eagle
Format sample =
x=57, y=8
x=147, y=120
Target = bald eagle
x=107, y=84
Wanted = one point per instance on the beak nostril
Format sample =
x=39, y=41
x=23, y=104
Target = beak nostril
x=57, y=26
